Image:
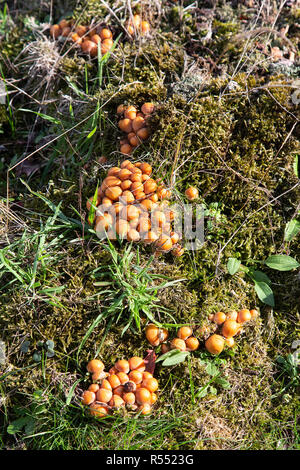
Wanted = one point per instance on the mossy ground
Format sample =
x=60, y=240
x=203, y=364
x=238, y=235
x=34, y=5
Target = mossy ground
x=225, y=121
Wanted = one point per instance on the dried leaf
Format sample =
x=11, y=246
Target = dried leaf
x=150, y=361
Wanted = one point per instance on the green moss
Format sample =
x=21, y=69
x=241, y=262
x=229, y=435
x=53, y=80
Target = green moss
x=3, y=114
x=86, y=11
x=74, y=68
x=14, y=42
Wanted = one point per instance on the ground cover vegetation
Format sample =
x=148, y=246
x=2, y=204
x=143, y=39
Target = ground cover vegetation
x=222, y=76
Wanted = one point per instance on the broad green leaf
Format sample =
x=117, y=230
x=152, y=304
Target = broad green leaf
x=291, y=230
x=291, y=360
x=49, y=290
x=202, y=392
x=223, y=382
x=167, y=354
x=264, y=293
x=50, y=344
x=37, y=357
x=259, y=276
x=17, y=425
x=173, y=357
x=212, y=369
x=176, y=359
x=233, y=265
x=280, y=360
x=8, y=266
x=281, y=262
x=244, y=269
x=29, y=427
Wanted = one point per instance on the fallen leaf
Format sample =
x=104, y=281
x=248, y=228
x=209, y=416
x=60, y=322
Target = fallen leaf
x=150, y=361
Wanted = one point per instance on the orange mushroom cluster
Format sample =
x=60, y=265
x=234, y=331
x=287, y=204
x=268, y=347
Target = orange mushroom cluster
x=126, y=384
x=87, y=37
x=228, y=326
x=133, y=123
x=132, y=205
x=137, y=25
x=185, y=340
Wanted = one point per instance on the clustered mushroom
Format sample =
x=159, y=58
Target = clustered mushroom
x=87, y=37
x=185, y=340
x=137, y=25
x=228, y=326
x=133, y=206
x=126, y=384
x=133, y=123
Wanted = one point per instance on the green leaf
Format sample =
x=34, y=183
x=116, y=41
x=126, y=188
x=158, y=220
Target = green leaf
x=29, y=427
x=93, y=208
x=53, y=207
x=92, y=132
x=71, y=392
x=75, y=88
x=233, y=265
x=291, y=360
x=8, y=266
x=171, y=358
x=280, y=360
x=167, y=354
x=291, y=230
x=202, y=392
x=37, y=357
x=71, y=111
x=259, y=276
x=50, y=344
x=222, y=382
x=264, y=293
x=38, y=394
x=18, y=424
x=281, y=262
x=44, y=116
x=176, y=359
x=211, y=369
